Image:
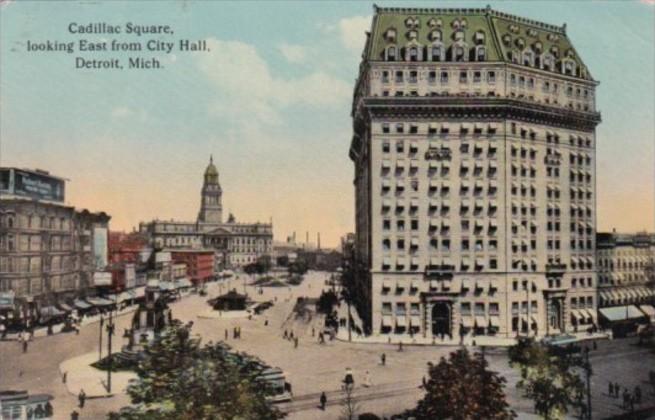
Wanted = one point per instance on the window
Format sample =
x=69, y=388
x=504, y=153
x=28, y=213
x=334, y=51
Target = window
x=491, y=77
x=436, y=53
x=477, y=76
x=391, y=54
x=444, y=77
x=463, y=76
x=385, y=147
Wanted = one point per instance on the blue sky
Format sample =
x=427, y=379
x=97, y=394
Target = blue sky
x=271, y=101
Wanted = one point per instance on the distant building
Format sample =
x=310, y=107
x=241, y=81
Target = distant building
x=235, y=244
x=199, y=264
x=474, y=171
x=50, y=253
x=626, y=278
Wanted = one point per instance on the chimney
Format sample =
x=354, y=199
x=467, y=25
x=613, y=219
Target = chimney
x=318, y=240
x=307, y=238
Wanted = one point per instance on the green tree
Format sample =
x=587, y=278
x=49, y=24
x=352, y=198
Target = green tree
x=549, y=377
x=180, y=379
x=463, y=387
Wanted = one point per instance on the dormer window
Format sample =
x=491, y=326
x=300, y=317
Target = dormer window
x=527, y=58
x=435, y=35
x=413, y=54
x=520, y=43
x=514, y=29
x=391, y=53
x=569, y=67
x=548, y=63
x=456, y=25
x=479, y=37
x=390, y=35
x=436, y=53
x=555, y=51
x=458, y=54
x=537, y=47
x=434, y=23
x=458, y=36
x=412, y=34
x=507, y=39
x=480, y=53
x=412, y=22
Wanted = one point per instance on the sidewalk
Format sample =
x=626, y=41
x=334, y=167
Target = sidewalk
x=56, y=329
x=81, y=375
x=480, y=340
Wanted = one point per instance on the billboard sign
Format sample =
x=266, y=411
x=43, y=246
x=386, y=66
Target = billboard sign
x=100, y=247
x=37, y=185
x=101, y=278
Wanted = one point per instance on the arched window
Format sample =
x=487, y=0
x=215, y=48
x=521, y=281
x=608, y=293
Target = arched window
x=527, y=58
x=568, y=67
x=548, y=62
x=10, y=222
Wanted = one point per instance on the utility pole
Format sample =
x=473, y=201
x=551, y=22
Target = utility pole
x=588, y=371
x=102, y=322
x=110, y=333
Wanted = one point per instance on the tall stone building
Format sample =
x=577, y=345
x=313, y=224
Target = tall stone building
x=49, y=251
x=235, y=244
x=474, y=156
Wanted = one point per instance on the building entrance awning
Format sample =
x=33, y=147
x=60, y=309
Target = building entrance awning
x=98, y=301
x=50, y=312
x=621, y=313
x=648, y=310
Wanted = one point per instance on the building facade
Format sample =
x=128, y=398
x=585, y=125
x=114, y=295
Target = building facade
x=626, y=269
x=49, y=251
x=235, y=244
x=474, y=157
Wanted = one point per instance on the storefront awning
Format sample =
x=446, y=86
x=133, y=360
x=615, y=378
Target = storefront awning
x=50, y=312
x=480, y=321
x=386, y=321
x=494, y=321
x=467, y=321
x=80, y=304
x=65, y=307
x=621, y=313
x=183, y=283
x=98, y=301
x=401, y=320
x=415, y=321
x=648, y=310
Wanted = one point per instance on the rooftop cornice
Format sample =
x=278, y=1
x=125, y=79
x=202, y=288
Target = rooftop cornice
x=470, y=11
x=459, y=107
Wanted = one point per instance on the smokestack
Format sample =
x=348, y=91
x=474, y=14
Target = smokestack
x=307, y=238
x=294, y=236
x=318, y=240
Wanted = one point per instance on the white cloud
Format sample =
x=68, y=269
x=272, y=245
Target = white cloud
x=247, y=89
x=293, y=53
x=352, y=31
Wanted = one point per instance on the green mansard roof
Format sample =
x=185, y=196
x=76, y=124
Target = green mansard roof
x=503, y=34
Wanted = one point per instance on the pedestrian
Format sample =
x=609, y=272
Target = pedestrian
x=48, y=409
x=286, y=334
x=323, y=400
x=291, y=335
x=611, y=389
x=626, y=398
x=295, y=342
x=77, y=328
x=400, y=346
x=226, y=334
x=367, y=380
x=617, y=389
x=234, y=333
x=313, y=331
x=638, y=394
x=383, y=359
x=266, y=322
x=81, y=397
x=25, y=344
x=424, y=382
x=595, y=346
x=75, y=415
x=64, y=377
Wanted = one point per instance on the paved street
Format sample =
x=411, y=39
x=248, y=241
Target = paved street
x=311, y=368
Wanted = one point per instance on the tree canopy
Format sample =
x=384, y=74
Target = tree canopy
x=549, y=377
x=180, y=379
x=463, y=387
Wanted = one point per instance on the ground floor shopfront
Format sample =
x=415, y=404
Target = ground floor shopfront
x=452, y=306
